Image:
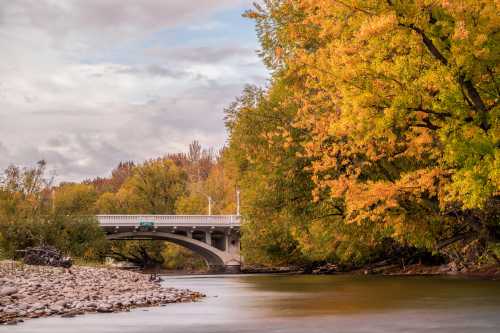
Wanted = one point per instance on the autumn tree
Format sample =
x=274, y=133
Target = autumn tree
x=76, y=199
x=393, y=111
x=112, y=184
x=155, y=186
x=27, y=217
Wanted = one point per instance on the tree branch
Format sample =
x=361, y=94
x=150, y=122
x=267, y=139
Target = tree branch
x=353, y=7
x=454, y=239
x=427, y=42
x=440, y=115
x=427, y=124
x=468, y=89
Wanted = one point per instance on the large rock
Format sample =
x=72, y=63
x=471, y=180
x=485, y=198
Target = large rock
x=56, y=308
x=62, y=303
x=105, y=308
x=7, y=291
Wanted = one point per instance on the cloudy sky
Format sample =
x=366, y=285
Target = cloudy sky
x=85, y=84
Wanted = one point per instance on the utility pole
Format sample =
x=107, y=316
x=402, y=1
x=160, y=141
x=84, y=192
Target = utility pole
x=237, y=201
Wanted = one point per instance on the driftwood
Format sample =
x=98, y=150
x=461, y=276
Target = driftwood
x=326, y=269
x=45, y=256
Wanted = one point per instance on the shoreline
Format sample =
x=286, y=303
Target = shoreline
x=28, y=292
x=490, y=272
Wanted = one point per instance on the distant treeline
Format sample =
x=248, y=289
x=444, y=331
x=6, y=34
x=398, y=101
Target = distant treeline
x=33, y=211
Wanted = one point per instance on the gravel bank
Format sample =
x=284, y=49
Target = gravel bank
x=38, y=291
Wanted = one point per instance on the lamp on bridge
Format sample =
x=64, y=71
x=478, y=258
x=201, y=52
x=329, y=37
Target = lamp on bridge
x=237, y=201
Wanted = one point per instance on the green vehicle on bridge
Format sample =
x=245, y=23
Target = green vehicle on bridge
x=146, y=225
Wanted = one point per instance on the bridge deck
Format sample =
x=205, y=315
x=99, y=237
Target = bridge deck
x=169, y=220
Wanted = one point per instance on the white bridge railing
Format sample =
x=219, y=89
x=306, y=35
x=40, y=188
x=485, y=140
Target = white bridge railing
x=169, y=220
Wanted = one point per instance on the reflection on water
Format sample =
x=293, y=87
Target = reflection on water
x=305, y=304
x=323, y=295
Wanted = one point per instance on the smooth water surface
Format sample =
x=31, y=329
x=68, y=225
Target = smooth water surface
x=304, y=304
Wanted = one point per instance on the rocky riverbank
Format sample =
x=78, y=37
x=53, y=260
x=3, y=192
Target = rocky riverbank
x=38, y=291
x=491, y=272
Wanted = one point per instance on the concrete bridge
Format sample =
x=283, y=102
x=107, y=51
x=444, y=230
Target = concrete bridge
x=215, y=237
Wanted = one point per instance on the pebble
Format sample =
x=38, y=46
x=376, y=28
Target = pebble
x=38, y=291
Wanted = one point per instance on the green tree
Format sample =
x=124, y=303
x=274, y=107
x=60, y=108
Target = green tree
x=27, y=218
x=156, y=185
x=74, y=199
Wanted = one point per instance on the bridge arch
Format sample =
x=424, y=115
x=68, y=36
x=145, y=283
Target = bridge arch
x=216, y=259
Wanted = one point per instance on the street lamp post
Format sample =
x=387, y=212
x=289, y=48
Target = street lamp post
x=209, y=198
x=237, y=202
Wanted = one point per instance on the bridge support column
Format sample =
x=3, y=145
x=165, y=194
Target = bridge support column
x=208, y=237
x=227, y=243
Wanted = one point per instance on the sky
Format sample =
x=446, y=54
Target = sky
x=85, y=84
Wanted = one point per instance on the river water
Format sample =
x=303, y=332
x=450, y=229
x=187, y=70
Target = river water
x=305, y=304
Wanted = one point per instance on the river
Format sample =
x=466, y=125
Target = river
x=305, y=304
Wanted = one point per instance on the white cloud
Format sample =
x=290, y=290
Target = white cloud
x=86, y=23
x=84, y=117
